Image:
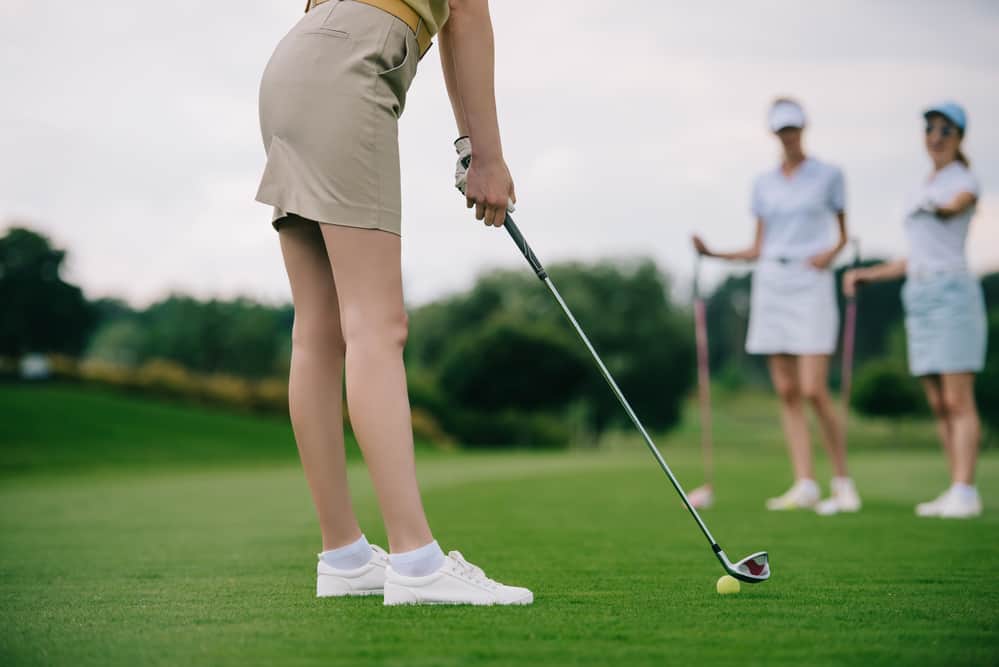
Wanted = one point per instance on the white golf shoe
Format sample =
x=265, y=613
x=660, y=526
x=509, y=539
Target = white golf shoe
x=961, y=505
x=932, y=507
x=369, y=579
x=844, y=498
x=456, y=582
x=803, y=495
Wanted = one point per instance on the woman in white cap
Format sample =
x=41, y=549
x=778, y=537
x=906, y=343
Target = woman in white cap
x=330, y=101
x=945, y=321
x=800, y=227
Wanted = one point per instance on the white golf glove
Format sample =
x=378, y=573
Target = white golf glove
x=463, y=146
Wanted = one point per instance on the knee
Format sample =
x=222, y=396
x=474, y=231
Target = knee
x=788, y=392
x=814, y=393
x=317, y=331
x=937, y=406
x=957, y=405
x=389, y=329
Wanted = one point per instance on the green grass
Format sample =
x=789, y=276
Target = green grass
x=199, y=550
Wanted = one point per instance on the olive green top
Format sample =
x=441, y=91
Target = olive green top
x=433, y=12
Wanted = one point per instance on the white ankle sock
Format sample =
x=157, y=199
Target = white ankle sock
x=354, y=555
x=964, y=491
x=418, y=562
x=809, y=485
x=841, y=483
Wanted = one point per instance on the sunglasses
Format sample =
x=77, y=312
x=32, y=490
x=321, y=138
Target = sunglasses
x=945, y=129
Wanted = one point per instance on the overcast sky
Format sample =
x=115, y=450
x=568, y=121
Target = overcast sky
x=130, y=131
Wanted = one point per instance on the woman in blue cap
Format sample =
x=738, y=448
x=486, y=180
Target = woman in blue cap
x=944, y=305
x=800, y=210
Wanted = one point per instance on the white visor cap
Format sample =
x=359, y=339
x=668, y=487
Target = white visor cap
x=785, y=114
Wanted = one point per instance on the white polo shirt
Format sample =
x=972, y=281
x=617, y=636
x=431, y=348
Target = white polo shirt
x=937, y=245
x=799, y=213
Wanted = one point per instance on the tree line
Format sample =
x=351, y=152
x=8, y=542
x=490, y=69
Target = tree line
x=494, y=365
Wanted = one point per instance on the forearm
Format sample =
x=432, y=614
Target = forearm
x=467, y=57
x=750, y=254
x=886, y=271
x=747, y=255
x=450, y=79
x=957, y=206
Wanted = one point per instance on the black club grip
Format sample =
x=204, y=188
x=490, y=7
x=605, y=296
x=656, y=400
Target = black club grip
x=525, y=249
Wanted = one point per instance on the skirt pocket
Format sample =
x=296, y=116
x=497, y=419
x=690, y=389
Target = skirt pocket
x=397, y=65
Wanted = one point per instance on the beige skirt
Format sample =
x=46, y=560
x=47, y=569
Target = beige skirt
x=330, y=101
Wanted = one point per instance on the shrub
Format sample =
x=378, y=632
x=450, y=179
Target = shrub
x=513, y=365
x=884, y=388
x=428, y=429
x=227, y=390
x=509, y=428
x=165, y=378
x=271, y=396
x=505, y=345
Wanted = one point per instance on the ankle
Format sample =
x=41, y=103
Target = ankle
x=418, y=562
x=349, y=556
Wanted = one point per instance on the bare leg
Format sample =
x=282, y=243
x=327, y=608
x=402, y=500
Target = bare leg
x=965, y=427
x=366, y=264
x=315, y=394
x=784, y=374
x=813, y=373
x=934, y=396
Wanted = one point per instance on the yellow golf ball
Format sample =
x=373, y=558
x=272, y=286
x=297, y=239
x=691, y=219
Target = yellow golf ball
x=727, y=585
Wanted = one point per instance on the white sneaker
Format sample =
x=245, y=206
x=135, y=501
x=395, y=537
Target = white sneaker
x=961, y=506
x=844, y=498
x=369, y=579
x=456, y=582
x=803, y=495
x=702, y=497
x=932, y=508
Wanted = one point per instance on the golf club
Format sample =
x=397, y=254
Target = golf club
x=753, y=568
x=703, y=496
x=849, y=336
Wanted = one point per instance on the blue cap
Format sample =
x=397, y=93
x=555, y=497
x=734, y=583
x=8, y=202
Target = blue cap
x=952, y=111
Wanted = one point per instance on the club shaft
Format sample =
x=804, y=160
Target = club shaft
x=704, y=386
x=543, y=275
x=849, y=340
x=849, y=335
x=703, y=374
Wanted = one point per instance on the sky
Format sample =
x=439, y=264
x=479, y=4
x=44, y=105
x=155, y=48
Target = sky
x=130, y=132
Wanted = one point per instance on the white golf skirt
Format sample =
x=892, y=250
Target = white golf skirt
x=792, y=309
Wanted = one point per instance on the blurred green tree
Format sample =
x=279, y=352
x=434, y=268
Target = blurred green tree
x=40, y=311
x=624, y=308
x=513, y=364
x=240, y=336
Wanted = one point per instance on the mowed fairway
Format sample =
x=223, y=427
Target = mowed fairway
x=146, y=558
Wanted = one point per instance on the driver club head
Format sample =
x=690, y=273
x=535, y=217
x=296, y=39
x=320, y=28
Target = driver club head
x=752, y=569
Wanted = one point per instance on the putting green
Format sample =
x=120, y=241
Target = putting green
x=213, y=564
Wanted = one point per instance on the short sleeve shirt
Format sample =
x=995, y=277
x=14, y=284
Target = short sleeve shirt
x=935, y=244
x=433, y=12
x=799, y=213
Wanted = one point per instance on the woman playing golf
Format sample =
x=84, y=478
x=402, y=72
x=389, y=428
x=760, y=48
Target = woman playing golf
x=330, y=101
x=944, y=306
x=800, y=227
